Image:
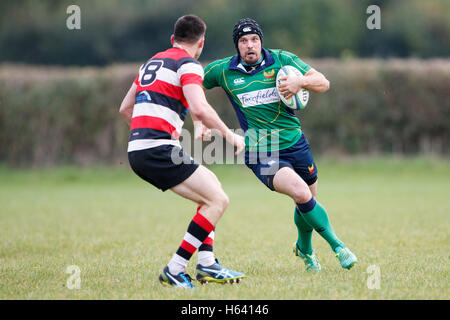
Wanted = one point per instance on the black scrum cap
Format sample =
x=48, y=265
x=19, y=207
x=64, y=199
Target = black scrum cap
x=244, y=27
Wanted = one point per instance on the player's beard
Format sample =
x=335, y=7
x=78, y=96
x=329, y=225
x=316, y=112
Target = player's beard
x=251, y=58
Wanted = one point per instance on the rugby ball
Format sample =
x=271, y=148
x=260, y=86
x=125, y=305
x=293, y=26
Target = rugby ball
x=300, y=99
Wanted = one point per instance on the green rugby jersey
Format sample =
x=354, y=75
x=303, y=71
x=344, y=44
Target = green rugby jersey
x=268, y=124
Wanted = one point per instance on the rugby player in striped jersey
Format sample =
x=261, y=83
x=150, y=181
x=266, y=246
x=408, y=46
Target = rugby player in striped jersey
x=169, y=85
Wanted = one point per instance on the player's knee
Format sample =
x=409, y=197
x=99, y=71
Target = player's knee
x=226, y=201
x=300, y=194
x=218, y=203
x=223, y=201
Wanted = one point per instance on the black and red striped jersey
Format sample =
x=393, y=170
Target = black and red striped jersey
x=160, y=107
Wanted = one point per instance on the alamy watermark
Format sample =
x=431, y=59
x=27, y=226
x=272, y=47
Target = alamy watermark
x=74, y=281
x=374, y=20
x=73, y=21
x=262, y=147
x=374, y=278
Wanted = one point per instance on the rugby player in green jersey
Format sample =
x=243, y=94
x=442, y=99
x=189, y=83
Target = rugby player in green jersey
x=276, y=149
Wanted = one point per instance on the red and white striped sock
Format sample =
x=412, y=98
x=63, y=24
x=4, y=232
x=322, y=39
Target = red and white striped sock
x=205, y=251
x=197, y=232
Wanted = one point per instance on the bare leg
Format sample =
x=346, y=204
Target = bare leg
x=313, y=189
x=204, y=188
x=288, y=182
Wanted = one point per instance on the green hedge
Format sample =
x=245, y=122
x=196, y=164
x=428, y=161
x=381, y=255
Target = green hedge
x=70, y=115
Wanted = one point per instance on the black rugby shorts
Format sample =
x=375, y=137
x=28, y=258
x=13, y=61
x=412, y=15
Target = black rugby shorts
x=164, y=167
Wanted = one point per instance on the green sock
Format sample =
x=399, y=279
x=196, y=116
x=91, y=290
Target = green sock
x=317, y=217
x=304, y=233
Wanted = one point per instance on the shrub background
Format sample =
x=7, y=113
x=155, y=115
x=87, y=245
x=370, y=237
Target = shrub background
x=56, y=115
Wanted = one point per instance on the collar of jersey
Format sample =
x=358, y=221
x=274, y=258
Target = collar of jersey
x=268, y=59
x=177, y=48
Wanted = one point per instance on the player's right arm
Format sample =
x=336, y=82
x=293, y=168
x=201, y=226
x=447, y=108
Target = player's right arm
x=127, y=105
x=202, y=111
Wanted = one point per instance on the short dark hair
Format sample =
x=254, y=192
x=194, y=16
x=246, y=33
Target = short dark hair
x=189, y=29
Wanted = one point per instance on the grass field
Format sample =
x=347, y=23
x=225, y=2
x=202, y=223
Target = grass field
x=120, y=232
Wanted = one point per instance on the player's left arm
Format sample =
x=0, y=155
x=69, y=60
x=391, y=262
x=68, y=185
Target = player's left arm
x=315, y=81
x=127, y=105
x=312, y=80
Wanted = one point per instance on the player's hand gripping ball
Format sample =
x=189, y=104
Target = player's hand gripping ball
x=298, y=100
